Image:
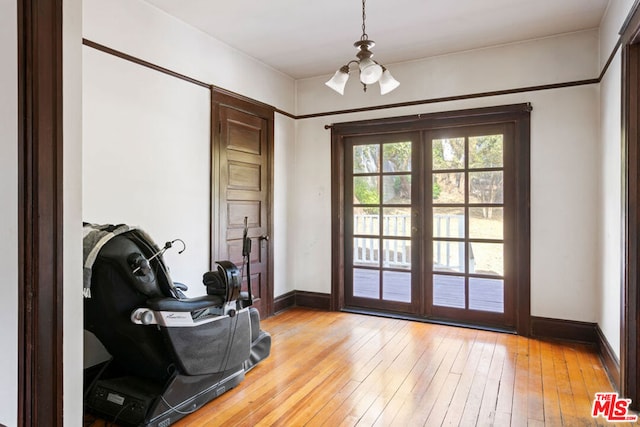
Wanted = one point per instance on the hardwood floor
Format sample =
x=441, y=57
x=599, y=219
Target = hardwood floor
x=340, y=369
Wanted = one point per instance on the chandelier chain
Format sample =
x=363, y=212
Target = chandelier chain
x=364, y=36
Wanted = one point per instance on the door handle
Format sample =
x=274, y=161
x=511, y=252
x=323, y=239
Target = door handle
x=264, y=237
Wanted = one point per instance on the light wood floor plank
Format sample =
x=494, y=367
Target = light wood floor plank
x=340, y=369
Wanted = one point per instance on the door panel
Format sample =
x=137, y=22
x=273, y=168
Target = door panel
x=470, y=168
x=378, y=223
x=243, y=157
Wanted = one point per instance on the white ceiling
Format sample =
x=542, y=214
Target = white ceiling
x=305, y=38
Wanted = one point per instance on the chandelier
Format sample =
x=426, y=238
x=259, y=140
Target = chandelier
x=370, y=70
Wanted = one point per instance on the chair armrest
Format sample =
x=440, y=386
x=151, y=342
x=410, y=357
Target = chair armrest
x=181, y=286
x=185, y=305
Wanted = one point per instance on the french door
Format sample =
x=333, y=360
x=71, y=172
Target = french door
x=381, y=225
x=435, y=222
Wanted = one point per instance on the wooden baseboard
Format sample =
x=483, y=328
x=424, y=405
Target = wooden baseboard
x=284, y=302
x=313, y=300
x=608, y=357
x=302, y=299
x=565, y=330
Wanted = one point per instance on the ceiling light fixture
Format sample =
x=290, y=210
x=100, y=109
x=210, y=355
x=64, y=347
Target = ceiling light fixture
x=370, y=70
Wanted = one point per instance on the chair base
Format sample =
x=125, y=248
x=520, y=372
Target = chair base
x=134, y=401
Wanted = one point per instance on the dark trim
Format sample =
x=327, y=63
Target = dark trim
x=454, y=98
x=144, y=63
x=291, y=299
x=284, y=302
x=316, y=300
x=609, y=60
x=564, y=330
x=40, y=220
x=630, y=27
x=608, y=357
x=235, y=95
x=561, y=85
x=175, y=74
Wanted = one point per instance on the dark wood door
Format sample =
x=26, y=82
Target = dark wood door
x=241, y=159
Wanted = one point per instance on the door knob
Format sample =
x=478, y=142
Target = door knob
x=264, y=237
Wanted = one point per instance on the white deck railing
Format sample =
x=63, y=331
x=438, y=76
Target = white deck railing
x=397, y=253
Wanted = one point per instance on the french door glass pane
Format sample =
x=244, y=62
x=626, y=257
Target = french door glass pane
x=366, y=221
x=486, y=151
x=486, y=258
x=396, y=157
x=397, y=253
x=448, y=222
x=485, y=187
x=397, y=189
x=366, y=251
x=448, y=187
x=366, y=190
x=448, y=256
x=486, y=223
x=448, y=153
x=486, y=294
x=366, y=283
x=366, y=158
x=396, y=286
x=396, y=222
x=448, y=291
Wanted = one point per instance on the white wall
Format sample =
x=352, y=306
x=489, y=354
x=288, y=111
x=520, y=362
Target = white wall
x=610, y=209
x=564, y=129
x=610, y=161
x=9, y=211
x=538, y=62
x=146, y=158
x=141, y=30
x=283, y=203
x=72, y=212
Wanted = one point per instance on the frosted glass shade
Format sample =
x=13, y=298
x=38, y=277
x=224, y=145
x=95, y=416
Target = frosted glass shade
x=387, y=82
x=338, y=81
x=370, y=72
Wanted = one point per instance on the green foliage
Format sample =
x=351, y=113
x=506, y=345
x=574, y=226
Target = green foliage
x=436, y=191
x=364, y=193
x=397, y=156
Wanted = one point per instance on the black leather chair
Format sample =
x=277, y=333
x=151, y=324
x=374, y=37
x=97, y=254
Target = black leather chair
x=170, y=354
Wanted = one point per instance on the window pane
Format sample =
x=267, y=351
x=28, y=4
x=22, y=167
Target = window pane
x=448, y=256
x=396, y=222
x=448, y=291
x=366, y=190
x=486, y=223
x=396, y=286
x=486, y=258
x=397, y=189
x=448, y=153
x=485, y=151
x=448, y=187
x=485, y=187
x=366, y=221
x=366, y=251
x=448, y=222
x=396, y=157
x=366, y=158
x=397, y=253
x=486, y=294
x=366, y=283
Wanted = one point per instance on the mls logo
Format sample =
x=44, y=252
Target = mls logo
x=612, y=408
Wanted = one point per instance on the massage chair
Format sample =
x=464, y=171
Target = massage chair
x=170, y=354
